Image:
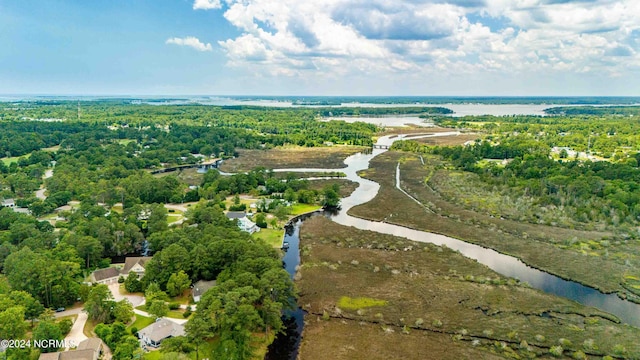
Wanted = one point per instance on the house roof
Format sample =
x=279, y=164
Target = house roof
x=202, y=286
x=7, y=202
x=161, y=330
x=105, y=273
x=88, y=349
x=91, y=344
x=246, y=222
x=87, y=354
x=49, y=356
x=130, y=262
x=236, y=214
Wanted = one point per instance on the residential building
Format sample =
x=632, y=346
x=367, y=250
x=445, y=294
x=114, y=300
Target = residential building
x=200, y=288
x=247, y=225
x=162, y=329
x=134, y=264
x=111, y=274
x=243, y=221
x=108, y=275
x=89, y=349
x=11, y=203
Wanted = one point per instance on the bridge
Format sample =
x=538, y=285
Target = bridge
x=376, y=146
x=204, y=166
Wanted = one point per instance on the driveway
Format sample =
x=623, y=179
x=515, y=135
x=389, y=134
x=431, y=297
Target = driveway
x=135, y=300
x=76, y=335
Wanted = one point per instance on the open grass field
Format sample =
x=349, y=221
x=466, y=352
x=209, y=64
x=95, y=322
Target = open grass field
x=297, y=208
x=536, y=245
x=187, y=176
x=140, y=322
x=171, y=218
x=408, y=300
x=8, y=160
x=125, y=142
x=272, y=237
x=291, y=157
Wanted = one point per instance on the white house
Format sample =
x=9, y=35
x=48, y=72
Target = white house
x=9, y=203
x=247, y=225
x=243, y=221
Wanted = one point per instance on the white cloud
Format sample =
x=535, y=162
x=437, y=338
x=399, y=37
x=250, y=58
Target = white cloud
x=206, y=4
x=384, y=38
x=191, y=42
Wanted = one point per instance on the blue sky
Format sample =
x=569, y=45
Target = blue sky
x=320, y=47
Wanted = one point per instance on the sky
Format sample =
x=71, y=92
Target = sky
x=321, y=47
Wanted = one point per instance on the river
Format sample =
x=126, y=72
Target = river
x=287, y=347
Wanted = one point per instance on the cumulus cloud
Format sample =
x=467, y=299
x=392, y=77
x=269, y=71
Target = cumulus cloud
x=190, y=41
x=334, y=38
x=206, y=4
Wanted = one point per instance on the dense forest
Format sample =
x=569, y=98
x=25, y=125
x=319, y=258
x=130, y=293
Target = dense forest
x=607, y=136
x=593, y=110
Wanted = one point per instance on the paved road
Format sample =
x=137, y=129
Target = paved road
x=40, y=193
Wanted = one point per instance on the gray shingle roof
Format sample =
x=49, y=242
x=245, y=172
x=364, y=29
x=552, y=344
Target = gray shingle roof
x=161, y=330
x=201, y=286
x=106, y=273
x=132, y=261
x=236, y=214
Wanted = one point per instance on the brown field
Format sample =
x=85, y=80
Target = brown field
x=331, y=157
x=536, y=245
x=437, y=304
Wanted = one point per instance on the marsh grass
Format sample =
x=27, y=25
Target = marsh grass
x=537, y=245
x=349, y=303
x=331, y=157
x=424, y=289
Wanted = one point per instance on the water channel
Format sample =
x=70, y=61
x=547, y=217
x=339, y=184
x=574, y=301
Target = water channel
x=286, y=347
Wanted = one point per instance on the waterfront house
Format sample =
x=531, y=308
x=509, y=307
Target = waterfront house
x=243, y=221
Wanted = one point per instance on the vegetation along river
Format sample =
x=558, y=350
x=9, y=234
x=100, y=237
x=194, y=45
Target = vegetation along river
x=287, y=345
